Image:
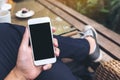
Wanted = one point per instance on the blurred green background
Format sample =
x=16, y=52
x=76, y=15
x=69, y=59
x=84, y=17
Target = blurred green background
x=106, y=12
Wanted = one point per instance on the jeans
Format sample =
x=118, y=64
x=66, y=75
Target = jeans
x=10, y=39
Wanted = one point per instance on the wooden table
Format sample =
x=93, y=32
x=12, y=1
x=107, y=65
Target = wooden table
x=40, y=11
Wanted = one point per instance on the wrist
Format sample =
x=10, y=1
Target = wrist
x=19, y=74
x=15, y=74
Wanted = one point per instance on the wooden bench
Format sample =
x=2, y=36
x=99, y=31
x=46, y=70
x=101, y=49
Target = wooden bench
x=108, y=40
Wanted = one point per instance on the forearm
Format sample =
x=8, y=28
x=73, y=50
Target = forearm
x=15, y=75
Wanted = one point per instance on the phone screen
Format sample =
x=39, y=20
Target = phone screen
x=41, y=41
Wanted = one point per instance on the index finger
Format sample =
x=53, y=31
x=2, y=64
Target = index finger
x=53, y=29
x=25, y=40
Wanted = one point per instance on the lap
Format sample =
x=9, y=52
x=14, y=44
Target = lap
x=59, y=71
x=11, y=36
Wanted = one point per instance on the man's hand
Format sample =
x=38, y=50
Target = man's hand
x=25, y=68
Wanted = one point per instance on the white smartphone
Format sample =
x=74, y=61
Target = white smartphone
x=41, y=39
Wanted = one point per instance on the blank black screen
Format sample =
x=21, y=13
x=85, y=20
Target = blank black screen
x=41, y=41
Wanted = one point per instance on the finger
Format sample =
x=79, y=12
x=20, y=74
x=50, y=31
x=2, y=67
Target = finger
x=46, y=67
x=57, y=51
x=55, y=42
x=53, y=29
x=25, y=40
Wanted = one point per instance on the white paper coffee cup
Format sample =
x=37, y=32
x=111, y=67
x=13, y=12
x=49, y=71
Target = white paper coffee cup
x=5, y=16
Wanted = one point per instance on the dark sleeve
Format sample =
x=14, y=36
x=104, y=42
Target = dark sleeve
x=10, y=39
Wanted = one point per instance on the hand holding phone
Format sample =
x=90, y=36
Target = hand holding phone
x=41, y=39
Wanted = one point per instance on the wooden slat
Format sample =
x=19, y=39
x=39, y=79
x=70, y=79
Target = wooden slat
x=110, y=34
x=102, y=41
x=70, y=33
x=62, y=14
x=109, y=46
